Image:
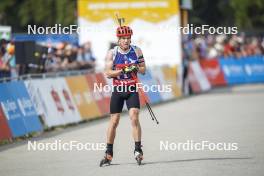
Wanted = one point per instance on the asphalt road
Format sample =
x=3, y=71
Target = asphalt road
x=228, y=115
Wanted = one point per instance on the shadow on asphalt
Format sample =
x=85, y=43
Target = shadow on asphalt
x=187, y=160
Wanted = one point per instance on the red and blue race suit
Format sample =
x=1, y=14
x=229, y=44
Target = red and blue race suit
x=121, y=60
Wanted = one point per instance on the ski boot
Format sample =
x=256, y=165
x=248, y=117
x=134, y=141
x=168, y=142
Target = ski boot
x=107, y=159
x=138, y=156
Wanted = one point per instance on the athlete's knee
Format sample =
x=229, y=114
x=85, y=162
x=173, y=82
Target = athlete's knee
x=134, y=113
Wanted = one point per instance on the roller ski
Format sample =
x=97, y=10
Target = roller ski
x=138, y=156
x=106, y=160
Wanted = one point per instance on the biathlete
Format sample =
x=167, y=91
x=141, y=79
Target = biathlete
x=123, y=63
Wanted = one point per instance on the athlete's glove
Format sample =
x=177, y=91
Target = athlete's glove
x=130, y=69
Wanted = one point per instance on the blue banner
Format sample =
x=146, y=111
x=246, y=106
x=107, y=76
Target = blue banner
x=254, y=67
x=47, y=38
x=27, y=109
x=244, y=70
x=154, y=96
x=12, y=111
x=233, y=70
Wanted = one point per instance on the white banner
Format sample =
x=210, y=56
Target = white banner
x=200, y=76
x=71, y=113
x=154, y=24
x=35, y=95
x=5, y=32
x=53, y=100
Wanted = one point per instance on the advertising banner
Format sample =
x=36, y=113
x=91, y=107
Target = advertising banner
x=63, y=103
x=28, y=113
x=5, y=132
x=171, y=78
x=159, y=77
x=106, y=94
x=154, y=22
x=83, y=97
x=254, y=68
x=97, y=93
x=213, y=72
x=234, y=70
x=35, y=95
x=12, y=112
x=52, y=103
x=197, y=78
x=71, y=113
x=5, y=32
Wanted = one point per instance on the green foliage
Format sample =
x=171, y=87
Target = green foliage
x=66, y=11
x=20, y=13
x=245, y=14
x=214, y=13
x=249, y=13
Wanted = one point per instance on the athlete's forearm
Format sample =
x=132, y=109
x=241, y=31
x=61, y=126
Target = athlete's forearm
x=141, y=70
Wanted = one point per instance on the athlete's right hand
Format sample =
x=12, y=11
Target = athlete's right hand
x=130, y=69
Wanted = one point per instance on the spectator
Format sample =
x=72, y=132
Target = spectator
x=85, y=57
x=4, y=60
x=215, y=46
x=52, y=62
x=11, y=59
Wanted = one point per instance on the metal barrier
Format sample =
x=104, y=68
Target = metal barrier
x=47, y=75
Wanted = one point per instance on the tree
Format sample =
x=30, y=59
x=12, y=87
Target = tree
x=20, y=13
x=245, y=14
x=213, y=13
x=249, y=14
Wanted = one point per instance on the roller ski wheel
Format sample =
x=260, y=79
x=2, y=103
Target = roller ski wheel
x=106, y=160
x=138, y=157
